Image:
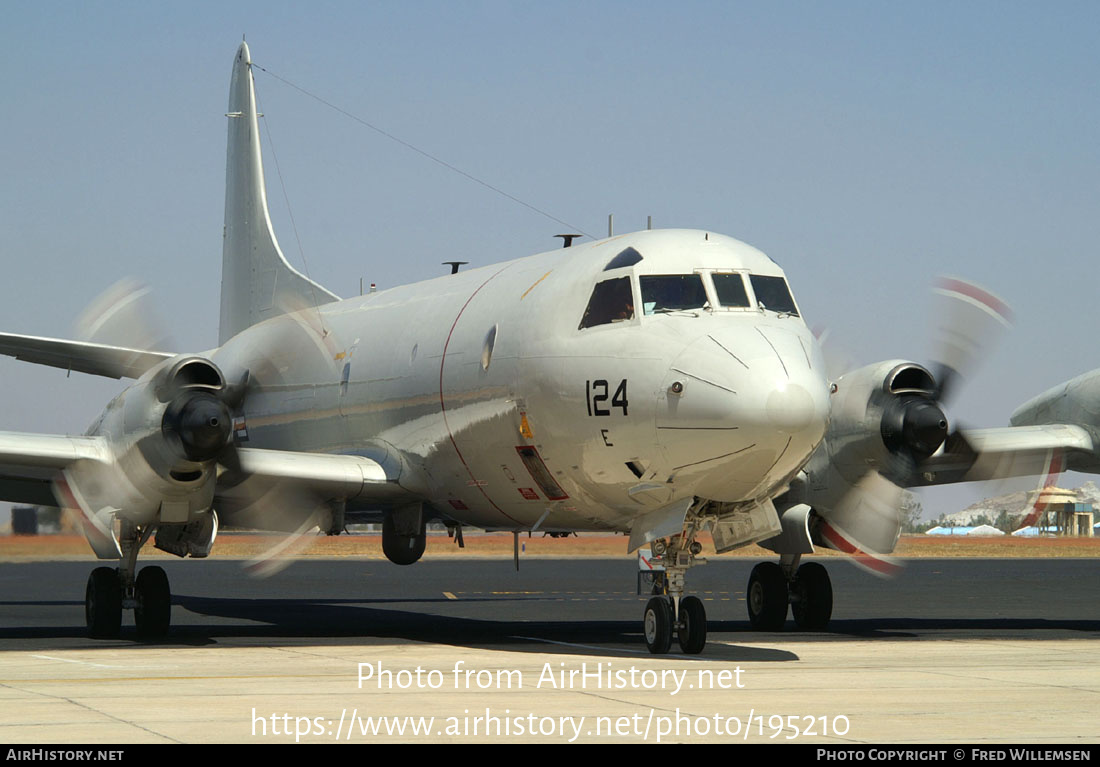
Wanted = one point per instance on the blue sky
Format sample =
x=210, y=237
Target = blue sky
x=865, y=146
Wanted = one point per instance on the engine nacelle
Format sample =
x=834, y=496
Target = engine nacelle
x=884, y=420
x=882, y=414
x=164, y=434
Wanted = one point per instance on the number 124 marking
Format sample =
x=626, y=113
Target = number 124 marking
x=596, y=396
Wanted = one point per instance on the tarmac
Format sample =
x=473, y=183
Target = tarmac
x=953, y=651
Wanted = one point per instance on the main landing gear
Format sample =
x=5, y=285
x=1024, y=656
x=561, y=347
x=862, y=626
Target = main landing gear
x=110, y=590
x=404, y=537
x=807, y=589
x=669, y=611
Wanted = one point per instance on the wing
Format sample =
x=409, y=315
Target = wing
x=265, y=489
x=1012, y=451
x=281, y=489
x=30, y=462
x=82, y=356
x=861, y=518
x=354, y=479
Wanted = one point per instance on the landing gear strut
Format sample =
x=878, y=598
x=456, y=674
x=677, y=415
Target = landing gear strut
x=670, y=611
x=110, y=590
x=807, y=589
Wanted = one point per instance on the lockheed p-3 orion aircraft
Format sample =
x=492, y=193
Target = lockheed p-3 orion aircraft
x=658, y=384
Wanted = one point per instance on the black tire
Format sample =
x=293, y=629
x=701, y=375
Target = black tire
x=103, y=603
x=767, y=597
x=812, y=597
x=657, y=625
x=691, y=630
x=402, y=549
x=153, y=611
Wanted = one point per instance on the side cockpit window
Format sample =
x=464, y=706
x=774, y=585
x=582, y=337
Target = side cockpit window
x=672, y=292
x=773, y=294
x=730, y=291
x=611, y=301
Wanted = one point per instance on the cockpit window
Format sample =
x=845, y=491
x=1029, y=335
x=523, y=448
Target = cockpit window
x=611, y=300
x=628, y=257
x=672, y=292
x=731, y=291
x=772, y=293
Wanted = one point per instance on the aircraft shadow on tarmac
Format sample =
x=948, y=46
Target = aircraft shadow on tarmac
x=290, y=620
x=370, y=620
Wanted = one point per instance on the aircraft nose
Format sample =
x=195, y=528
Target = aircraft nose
x=742, y=410
x=790, y=408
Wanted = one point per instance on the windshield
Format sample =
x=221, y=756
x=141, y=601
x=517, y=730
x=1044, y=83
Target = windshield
x=731, y=291
x=673, y=292
x=772, y=293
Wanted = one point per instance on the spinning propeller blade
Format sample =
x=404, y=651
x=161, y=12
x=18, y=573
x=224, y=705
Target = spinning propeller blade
x=866, y=521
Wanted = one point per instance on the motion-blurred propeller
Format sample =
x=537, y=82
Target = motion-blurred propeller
x=906, y=402
x=168, y=445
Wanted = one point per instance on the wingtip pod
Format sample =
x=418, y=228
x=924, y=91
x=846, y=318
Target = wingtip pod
x=257, y=281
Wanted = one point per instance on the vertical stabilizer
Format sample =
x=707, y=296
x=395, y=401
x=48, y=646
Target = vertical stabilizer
x=257, y=281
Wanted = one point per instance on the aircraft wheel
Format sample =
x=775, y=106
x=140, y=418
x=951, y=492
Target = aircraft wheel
x=103, y=603
x=767, y=597
x=402, y=549
x=153, y=612
x=812, y=597
x=658, y=625
x=691, y=631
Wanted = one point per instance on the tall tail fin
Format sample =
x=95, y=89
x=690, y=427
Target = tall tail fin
x=257, y=281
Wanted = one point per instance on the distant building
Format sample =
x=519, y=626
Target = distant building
x=35, y=520
x=980, y=530
x=1061, y=512
x=952, y=530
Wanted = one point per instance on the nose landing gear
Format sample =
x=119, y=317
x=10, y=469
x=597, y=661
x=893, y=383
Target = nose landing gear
x=670, y=611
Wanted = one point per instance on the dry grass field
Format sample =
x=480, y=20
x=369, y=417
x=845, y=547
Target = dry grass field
x=236, y=546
